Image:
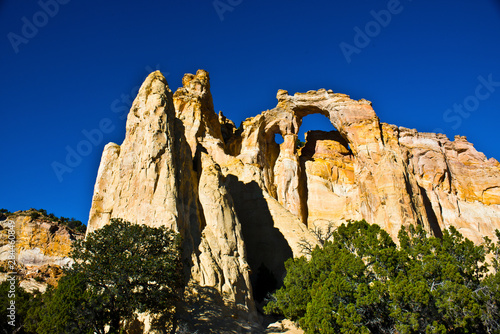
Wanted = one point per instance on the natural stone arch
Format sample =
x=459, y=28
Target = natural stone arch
x=380, y=197
x=281, y=166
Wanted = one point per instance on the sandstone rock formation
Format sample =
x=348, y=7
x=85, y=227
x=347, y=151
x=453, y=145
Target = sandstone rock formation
x=243, y=203
x=153, y=178
x=42, y=248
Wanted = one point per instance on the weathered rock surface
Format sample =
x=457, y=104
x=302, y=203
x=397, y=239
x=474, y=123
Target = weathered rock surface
x=161, y=175
x=243, y=203
x=42, y=248
x=332, y=195
x=283, y=326
x=223, y=255
x=139, y=178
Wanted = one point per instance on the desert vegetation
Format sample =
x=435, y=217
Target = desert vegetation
x=361, y=281
x=120, y=271
x=72, y=223
x=355, y=280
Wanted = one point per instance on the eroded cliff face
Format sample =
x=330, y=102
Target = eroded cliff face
x=242, y=202
x=42, y=249
x=162, y=175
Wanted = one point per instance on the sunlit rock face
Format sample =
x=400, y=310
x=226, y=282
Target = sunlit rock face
x=242, y=202
x=161, y=175
x=42, y=249
x=332, y=195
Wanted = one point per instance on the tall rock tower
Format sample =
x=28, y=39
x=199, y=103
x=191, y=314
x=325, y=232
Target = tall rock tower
x=160, y=176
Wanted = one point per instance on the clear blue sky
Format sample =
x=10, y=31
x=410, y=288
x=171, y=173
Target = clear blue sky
x=64, y=69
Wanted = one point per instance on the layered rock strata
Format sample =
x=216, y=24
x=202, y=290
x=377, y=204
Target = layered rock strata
x=42, y=248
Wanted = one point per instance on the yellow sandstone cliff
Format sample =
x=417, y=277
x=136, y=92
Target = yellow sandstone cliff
x=42, y=248
x=242, y=202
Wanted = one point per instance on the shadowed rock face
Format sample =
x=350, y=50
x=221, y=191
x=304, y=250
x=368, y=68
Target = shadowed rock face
x=242, y=202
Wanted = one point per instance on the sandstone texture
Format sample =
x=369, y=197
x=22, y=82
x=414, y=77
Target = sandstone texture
x=42, y=248
x=243, y=203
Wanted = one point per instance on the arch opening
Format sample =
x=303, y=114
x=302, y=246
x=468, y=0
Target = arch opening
x=278, y=138
x=325, y=156
x=314, y=122
x=318, y=127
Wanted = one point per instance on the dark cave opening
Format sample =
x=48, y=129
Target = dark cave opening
x=263, y=283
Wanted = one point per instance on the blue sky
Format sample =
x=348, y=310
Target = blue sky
x=69, y=67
